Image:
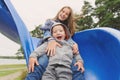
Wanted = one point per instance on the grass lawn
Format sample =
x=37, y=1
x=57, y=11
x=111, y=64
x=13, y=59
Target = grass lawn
x=9, y=69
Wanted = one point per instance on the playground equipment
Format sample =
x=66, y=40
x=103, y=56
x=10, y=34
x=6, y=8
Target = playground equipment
x=99, y=47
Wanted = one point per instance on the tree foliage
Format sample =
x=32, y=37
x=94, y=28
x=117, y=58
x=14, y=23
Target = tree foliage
x=37, y=32
x=106, y=13
x=85, y=20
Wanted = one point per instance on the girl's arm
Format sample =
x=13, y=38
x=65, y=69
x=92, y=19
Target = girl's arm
x=51, y=47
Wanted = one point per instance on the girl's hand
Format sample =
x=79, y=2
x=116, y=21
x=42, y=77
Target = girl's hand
x=32, y=62
x=51, y=47
x=80, y=66
x=75, y=48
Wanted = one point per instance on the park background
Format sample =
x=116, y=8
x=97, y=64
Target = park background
x=34, y=13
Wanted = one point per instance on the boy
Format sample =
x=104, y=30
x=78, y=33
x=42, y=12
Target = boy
x=59, y=65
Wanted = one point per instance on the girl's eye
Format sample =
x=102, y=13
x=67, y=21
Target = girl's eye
x=67, y=14
x=63, y=11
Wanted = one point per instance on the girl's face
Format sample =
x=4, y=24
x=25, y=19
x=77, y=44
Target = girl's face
x=64, y=14
x=58, y=32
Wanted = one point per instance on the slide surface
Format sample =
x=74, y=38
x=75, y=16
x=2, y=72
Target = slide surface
x=99, y=47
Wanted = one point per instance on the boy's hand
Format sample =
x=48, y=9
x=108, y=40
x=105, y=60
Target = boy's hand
x=80, y=66
x=32, y=63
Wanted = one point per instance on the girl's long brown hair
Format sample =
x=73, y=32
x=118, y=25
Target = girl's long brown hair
x=70, y=20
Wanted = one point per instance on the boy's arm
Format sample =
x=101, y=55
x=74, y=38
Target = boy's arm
x=39, y=51
x=79, y=63
x=78, y=57
x=33, y=56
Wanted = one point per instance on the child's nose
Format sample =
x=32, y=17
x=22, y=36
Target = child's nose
x=58, y=32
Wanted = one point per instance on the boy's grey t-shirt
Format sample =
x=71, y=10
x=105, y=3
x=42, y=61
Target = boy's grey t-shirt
x=63, y=55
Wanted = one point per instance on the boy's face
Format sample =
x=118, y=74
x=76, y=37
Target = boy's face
x=58, y=32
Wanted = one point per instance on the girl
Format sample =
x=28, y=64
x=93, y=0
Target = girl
x=65, y=16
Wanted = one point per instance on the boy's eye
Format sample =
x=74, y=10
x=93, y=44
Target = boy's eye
x=60, y=30
x=54, y=31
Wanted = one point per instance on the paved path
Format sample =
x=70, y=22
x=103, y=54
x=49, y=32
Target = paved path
x=11, y=76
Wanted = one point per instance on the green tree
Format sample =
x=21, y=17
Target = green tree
x=37, y=32
x=105, y=14
x=85, y=20
x=108, y=13
x=20, y=53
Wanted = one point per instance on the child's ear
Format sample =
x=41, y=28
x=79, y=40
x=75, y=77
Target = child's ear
x=66, y=37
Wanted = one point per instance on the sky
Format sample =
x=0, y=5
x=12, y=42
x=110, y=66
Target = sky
x=33, y=13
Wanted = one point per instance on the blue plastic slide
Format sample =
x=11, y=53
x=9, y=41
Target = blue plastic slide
x=99, y=47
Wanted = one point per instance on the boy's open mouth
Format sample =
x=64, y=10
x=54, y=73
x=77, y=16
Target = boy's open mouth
x=59, y=37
